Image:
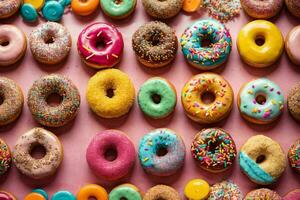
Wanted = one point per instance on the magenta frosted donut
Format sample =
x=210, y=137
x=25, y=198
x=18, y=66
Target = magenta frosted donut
x=262, y=9
x=111, y=155
x=100, y=45
x=292, y=195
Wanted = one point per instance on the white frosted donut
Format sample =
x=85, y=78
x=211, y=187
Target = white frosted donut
x=33, y=167
x=50, y=43
x=13, y=44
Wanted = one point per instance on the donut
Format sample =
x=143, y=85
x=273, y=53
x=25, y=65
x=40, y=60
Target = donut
x=201, y=85
x=162, y=9
x=5, y=158
x=53, y=11
x=262, y=194
x=118, y=9
x=260, y=101
x=92, y=191
x=49, y=115
x=13, y=44
x=262, y=160
x=12, y=100
x=125, y=191
x=111, y=142
x=84, y=7
x=225, y=190
x=6, y=196
x=206, y=56
x=9, y=7
x=292, y=195
x=262, y=9
x=42, y=192
x=157, y=98
x=294, y=156
x=100, y=45
x=162, y=192
x=37, y=4
x=260, y=43
x=161, y=152
x=190, y=6
x=155, y=44
x=110, y=93
x=63, y=195
x=293, y=101
x=291, y=44
x=294, y=7
x=50, y=43
x=197, y=189
x=213, y=149
x=28, y=13
x=42, y=167
x=34, y=196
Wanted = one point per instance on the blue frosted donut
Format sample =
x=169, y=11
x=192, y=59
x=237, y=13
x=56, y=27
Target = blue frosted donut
x=194, y=50
x=53, y=11
x=161, y=152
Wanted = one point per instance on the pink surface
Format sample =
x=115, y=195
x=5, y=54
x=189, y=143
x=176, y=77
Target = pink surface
x=76, y=136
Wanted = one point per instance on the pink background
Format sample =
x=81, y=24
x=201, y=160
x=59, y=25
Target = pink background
x=75, y=136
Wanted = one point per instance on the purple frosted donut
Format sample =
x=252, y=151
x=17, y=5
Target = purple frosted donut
x=262, y=9
x=111, y=155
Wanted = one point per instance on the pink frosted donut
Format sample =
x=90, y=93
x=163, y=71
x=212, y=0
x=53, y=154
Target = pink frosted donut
x=111, y=155
x=262, y=9
x=9, y=7
x=292, y=43
x=292, y=195
x=12, y=44
x=100, y=45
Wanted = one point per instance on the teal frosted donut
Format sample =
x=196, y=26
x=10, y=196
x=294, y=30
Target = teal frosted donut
x=161, y=152
x=193, y=44
x=118, y=9
x=157, y=98
x=28, y=13
x=125, y=191
x=53, y=11
x=260, y=101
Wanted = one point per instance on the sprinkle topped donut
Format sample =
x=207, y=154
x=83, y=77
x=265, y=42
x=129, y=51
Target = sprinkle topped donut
x=294, y=156
x=226, y=191
x=9, y=7
x=193, y=47
x=5, y=157
x=262, y=194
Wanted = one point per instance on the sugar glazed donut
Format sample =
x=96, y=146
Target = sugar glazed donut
x=13, y=44
x=262, y=160
x=263, y=194
x=262, y=9
x=162, y=192
x=5, y=157
x=58, y=115
x=110, y=93
x=100, y=45
x=294, y=156
x=213, y=149
x=200, y=85
x=194, y=49
x=292, y=195
x=50, y=43
x=161, y=152
x=155, y=44
x=38, y=168
x=260, y=43
x=6, y=196
x=260, y=101
x=92, y=191
x=125, y=191
x=292, y=43
x=13, y=100
x=9, y=7
x=293, y=6
x=293, y=101
x=162, y=9
x=225, y=190
x=111, y=142
x=118, y=9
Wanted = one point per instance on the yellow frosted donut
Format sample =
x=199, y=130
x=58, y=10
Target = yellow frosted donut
x=110, y=93
x=37, y=4
x=196, y=189
x=260, y=43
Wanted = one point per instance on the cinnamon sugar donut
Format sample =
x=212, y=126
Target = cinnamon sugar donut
x=293, y=6
x=162, y=192
x=9, y=7
x=262, y=9
x=50, y=43
x=293, y=102
x=162, y=9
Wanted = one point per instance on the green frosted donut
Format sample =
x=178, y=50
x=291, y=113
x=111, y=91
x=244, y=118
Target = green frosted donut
x=125, y=192
x=157, y=98
x=118, y=8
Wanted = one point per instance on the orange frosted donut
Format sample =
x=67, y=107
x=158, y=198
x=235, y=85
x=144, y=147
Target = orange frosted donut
x=84, y=7
x=191, y=5
x=92, y=190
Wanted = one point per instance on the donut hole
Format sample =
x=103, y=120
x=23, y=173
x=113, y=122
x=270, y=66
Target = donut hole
x=155, y=37
x=214, y=146
x=208, y=97
x=156, y=98
x=37, y=151
x=49, y=38
x=1, y=100
x=54, y=99
x=118, y=2
x=110, y=92
x=111, y=154
x=123, y=198
x=206, y=42
x=260, y=99
x=260, y=159
x=4, y=42
x=100, y=44
x=161, y=151
x=92, y=198
x=260, y=40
